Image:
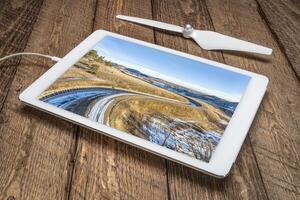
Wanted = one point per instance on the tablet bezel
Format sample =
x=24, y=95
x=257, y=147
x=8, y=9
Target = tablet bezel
x=230, y=143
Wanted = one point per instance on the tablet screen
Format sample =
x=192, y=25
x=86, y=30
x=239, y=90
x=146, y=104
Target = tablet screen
x=173, y=101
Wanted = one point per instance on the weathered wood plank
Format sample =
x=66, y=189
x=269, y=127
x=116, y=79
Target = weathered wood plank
x=283, y=18
x=36, y=148
x=105, y=168
x=275, y=132
x=244, y=182
x=16, y=22
x=36, y=152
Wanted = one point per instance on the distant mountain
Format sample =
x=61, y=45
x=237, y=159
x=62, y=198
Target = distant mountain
x=226, y=106
x=137, y=73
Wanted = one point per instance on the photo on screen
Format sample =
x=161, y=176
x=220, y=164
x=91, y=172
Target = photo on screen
x=176, y=102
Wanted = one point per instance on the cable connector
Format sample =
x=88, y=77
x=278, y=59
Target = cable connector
x=55, y=59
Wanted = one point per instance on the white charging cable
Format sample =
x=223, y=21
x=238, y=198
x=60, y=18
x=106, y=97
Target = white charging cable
x=53, y=58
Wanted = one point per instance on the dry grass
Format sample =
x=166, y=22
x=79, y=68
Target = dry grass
x=105, y=76
x=90, y=72
x=207, y=118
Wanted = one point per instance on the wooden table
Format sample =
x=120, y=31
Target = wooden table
x=43, y=157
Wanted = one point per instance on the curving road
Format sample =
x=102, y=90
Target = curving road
x=97, y=112
x=175, y=134
x=93, y=102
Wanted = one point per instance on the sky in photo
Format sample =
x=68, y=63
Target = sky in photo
x=179, y=70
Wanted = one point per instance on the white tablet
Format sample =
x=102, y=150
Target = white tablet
x=184, y=108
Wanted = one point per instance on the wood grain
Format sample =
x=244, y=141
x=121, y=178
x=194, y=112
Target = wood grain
x=42, y=157
x=105, y=168
x=275, y=132
x=16, y=22
x=244, y=182
x=36, y=148
x=283, y=18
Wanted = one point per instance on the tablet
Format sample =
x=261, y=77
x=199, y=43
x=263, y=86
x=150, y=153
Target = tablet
x=188, y=109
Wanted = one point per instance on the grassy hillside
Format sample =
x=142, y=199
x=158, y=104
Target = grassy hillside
x=206, y=118
x=94, y=72
x=184, y=124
